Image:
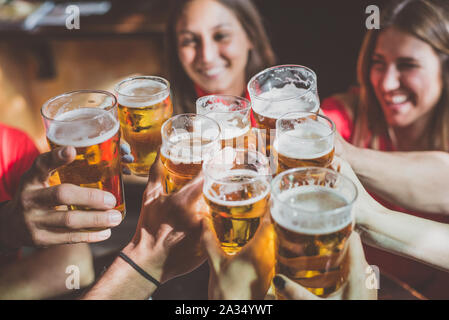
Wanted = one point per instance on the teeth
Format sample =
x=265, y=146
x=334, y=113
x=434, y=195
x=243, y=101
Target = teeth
x=399, y=99
x=213, y=72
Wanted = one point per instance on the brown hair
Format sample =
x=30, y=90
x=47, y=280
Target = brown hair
x=428, y=21
x=260, y=56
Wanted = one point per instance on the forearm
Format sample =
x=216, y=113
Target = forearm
x=406, y=235
x=122, y=281
x=43, y=274
x=414, y=180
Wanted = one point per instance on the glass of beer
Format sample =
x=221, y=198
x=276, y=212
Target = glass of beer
x=237, y=191
x=232, y=113
x=87, y=120
x=303, y=139
x=144, y=104
x=187, y=140
x=311, y=210
x=279, y=90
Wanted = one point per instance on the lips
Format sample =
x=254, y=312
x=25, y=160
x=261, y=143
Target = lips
x=399, y=103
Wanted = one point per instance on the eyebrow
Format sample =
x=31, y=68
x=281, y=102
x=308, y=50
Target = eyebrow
x=218, y=26
x=400, y=59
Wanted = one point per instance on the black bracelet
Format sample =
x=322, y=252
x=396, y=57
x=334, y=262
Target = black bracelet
x=139, y=269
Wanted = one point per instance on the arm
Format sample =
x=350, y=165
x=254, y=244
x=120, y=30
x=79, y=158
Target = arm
x=414, y=180
x=165, y=245
x=42, y=274
x=420, y=239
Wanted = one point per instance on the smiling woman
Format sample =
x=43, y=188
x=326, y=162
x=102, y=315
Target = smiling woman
x=214, y=47
x=402, y=107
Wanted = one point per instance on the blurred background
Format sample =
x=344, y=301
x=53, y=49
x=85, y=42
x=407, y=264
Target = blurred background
x=41, y=58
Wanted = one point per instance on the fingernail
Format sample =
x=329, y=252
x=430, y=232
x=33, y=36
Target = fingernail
x=115, y=217
x=104, y=234
x=125, y=148
x=278, y=282
x=109, y=200
x=128, y=158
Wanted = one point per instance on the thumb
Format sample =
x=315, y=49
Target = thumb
x=49, y=161
x=291, y=290
x=190, y=192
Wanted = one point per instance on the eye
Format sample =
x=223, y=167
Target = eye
x=219, y=36
x=377, y=64
x=188, y=42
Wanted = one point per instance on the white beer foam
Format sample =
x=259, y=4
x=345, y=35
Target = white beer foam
x=226, y=188
x=180, y=149
x=284, y=100
x=129, y=95
x=306, y=141
x=310, y=199
x=83, y=127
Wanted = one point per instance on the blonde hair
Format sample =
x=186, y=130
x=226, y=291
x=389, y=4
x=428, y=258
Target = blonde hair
x=428, y=21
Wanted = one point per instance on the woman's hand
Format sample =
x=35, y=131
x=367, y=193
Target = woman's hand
x=358, y=287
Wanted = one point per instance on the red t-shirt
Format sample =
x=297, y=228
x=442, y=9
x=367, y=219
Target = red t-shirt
x=17, y=153
x=430, y=282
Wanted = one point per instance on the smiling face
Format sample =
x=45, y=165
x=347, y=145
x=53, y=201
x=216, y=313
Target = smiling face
x=406, y=77
x=213, y=47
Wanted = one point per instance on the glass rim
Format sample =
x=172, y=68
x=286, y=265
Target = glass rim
x=166, y=139
x=165, y=81
x=253, y=78
x=247, y=108
x=70, y=93
x=306, y=212
x=250, y=180
x=283, y=117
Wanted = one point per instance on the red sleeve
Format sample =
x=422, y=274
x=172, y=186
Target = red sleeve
x=336, y=111
x=17, y=154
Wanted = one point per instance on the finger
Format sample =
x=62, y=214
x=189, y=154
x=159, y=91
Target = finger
x=127, y=158
x=69, y=194
x=76, y=219
x=61, y=236
x=124, y=148
x=125, y=170
x=155, y=174
x=291, y=290
x=49, y=161
x=211, y=245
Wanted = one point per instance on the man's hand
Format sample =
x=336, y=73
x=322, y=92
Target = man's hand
x=167, y=240
x=30, y=218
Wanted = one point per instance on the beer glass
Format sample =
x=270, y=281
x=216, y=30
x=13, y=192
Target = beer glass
x=144, y=104
x=303, y=139
x=311, y=211
x=237, y=190
x=279, y=90
x=187, y=140
x=87, y=120
x=232, y=113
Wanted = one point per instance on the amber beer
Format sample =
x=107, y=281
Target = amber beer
x=312, y=217
x=303, y=139
x=144, y=104
x=187, y=140
x=279, y=90
x=87, y=120
x=232, y=113
x=237, y=192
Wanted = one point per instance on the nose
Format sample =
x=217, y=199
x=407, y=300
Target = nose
x=208, y=51
x=390, y=79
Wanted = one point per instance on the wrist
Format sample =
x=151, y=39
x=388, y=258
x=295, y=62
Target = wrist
x=145, y=258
